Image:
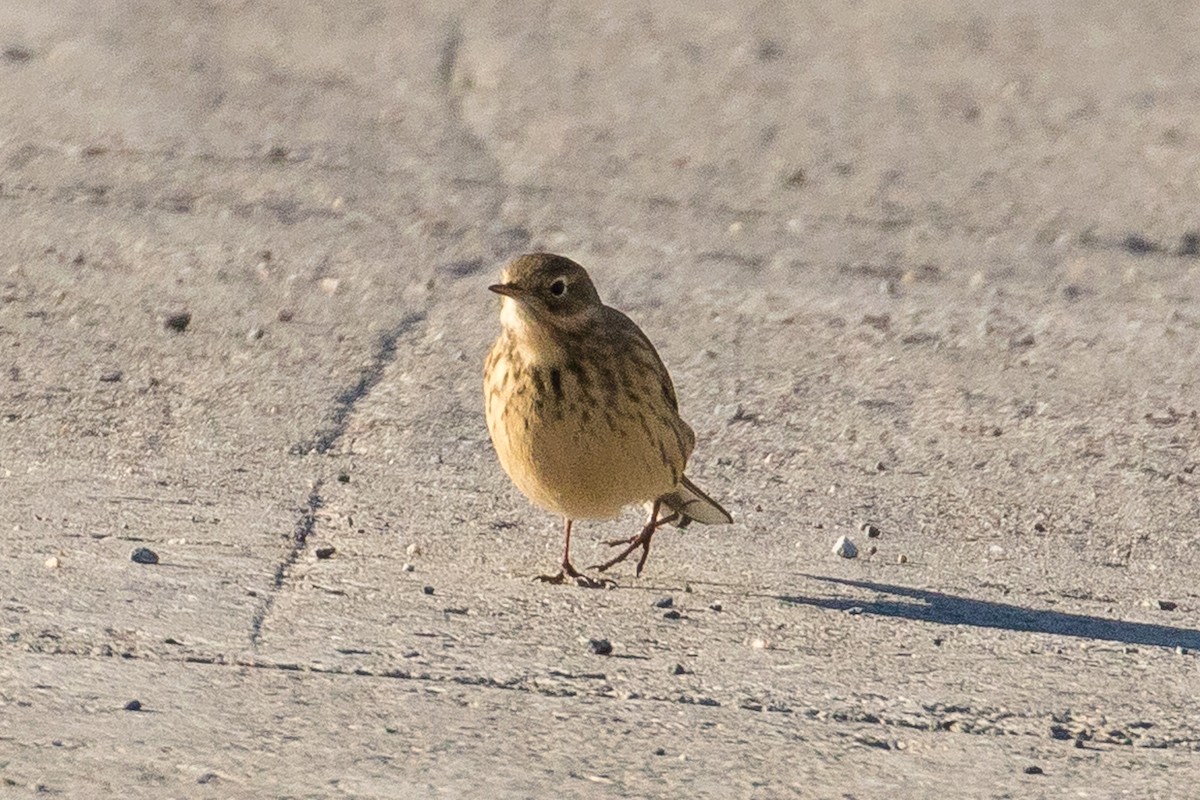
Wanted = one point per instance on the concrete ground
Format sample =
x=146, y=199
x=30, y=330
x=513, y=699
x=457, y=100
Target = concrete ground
x=929, y=267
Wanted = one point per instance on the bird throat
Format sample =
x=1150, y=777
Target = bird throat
x=536, y=340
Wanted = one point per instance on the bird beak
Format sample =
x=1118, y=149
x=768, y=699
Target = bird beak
x=506, y=289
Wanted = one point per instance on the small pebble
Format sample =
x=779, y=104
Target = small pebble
x=343, y=477
x=330, y=285
x=17, y=54
x=872, y=550
x=1138, y=244
x=178, y=321
x=111, y=376
x=408, y=568
x=680, y=669
x=871, y=531
x=664, y=602
x=1028, y=340
x=601, y=647
x=413, y=549
x=659, y=751
x=428, y=590
x=285, y=315
x=144, y=555
x=902, y=559
x=672, y=614
x=254, y=334
x=1034, y=770
x=133, y=705
x=1162, y=605
x=1180, y=650
x=845, y=548
x=326, y=551
x=52, y=562
x=758, y=644
x=714, y=606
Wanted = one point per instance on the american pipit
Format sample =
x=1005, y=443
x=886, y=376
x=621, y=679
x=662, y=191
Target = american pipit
x=582, y=411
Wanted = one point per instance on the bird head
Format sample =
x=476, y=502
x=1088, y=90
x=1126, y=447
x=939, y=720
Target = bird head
x=543, y=289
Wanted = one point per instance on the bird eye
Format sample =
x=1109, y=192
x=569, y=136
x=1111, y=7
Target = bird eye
x=558, y=288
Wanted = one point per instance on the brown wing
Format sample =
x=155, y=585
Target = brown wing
x=658, y=375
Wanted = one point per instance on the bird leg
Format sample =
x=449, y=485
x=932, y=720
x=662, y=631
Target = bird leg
x=641, y=540
x=568, y=569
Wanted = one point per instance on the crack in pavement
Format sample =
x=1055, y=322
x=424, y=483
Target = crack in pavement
x=304, y=527
x=72, y=193
x=930, y=718
x=385, y=353
x=330, y=433
x=449, y=55
x=464, y=139
x=324, y=440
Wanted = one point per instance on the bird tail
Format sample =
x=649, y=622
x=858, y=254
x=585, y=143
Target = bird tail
x=691, y=504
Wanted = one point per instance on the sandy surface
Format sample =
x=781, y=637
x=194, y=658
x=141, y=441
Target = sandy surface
x=931, y=269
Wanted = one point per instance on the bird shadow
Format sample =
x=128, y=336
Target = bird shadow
x=922, y=605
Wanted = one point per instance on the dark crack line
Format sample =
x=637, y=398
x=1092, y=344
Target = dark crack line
x=299, y=538
x=461, y=136
x=343, y=405
x=325, y=439
x=449, y=55
x=494, y=183
x=933, y=723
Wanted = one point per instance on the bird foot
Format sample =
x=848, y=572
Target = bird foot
x=568, y=572
x=642, y=540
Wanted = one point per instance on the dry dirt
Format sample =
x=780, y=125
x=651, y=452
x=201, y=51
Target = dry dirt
x=932, y=267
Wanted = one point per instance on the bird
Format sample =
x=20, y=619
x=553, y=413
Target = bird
x=582, y=411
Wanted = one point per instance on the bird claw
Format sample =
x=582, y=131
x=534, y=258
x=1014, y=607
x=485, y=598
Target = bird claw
x=569, y=572
x=642, y=540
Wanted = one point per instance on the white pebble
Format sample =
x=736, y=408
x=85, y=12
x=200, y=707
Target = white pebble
x=52, y=562
x=845, y=548
x=413, y=549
